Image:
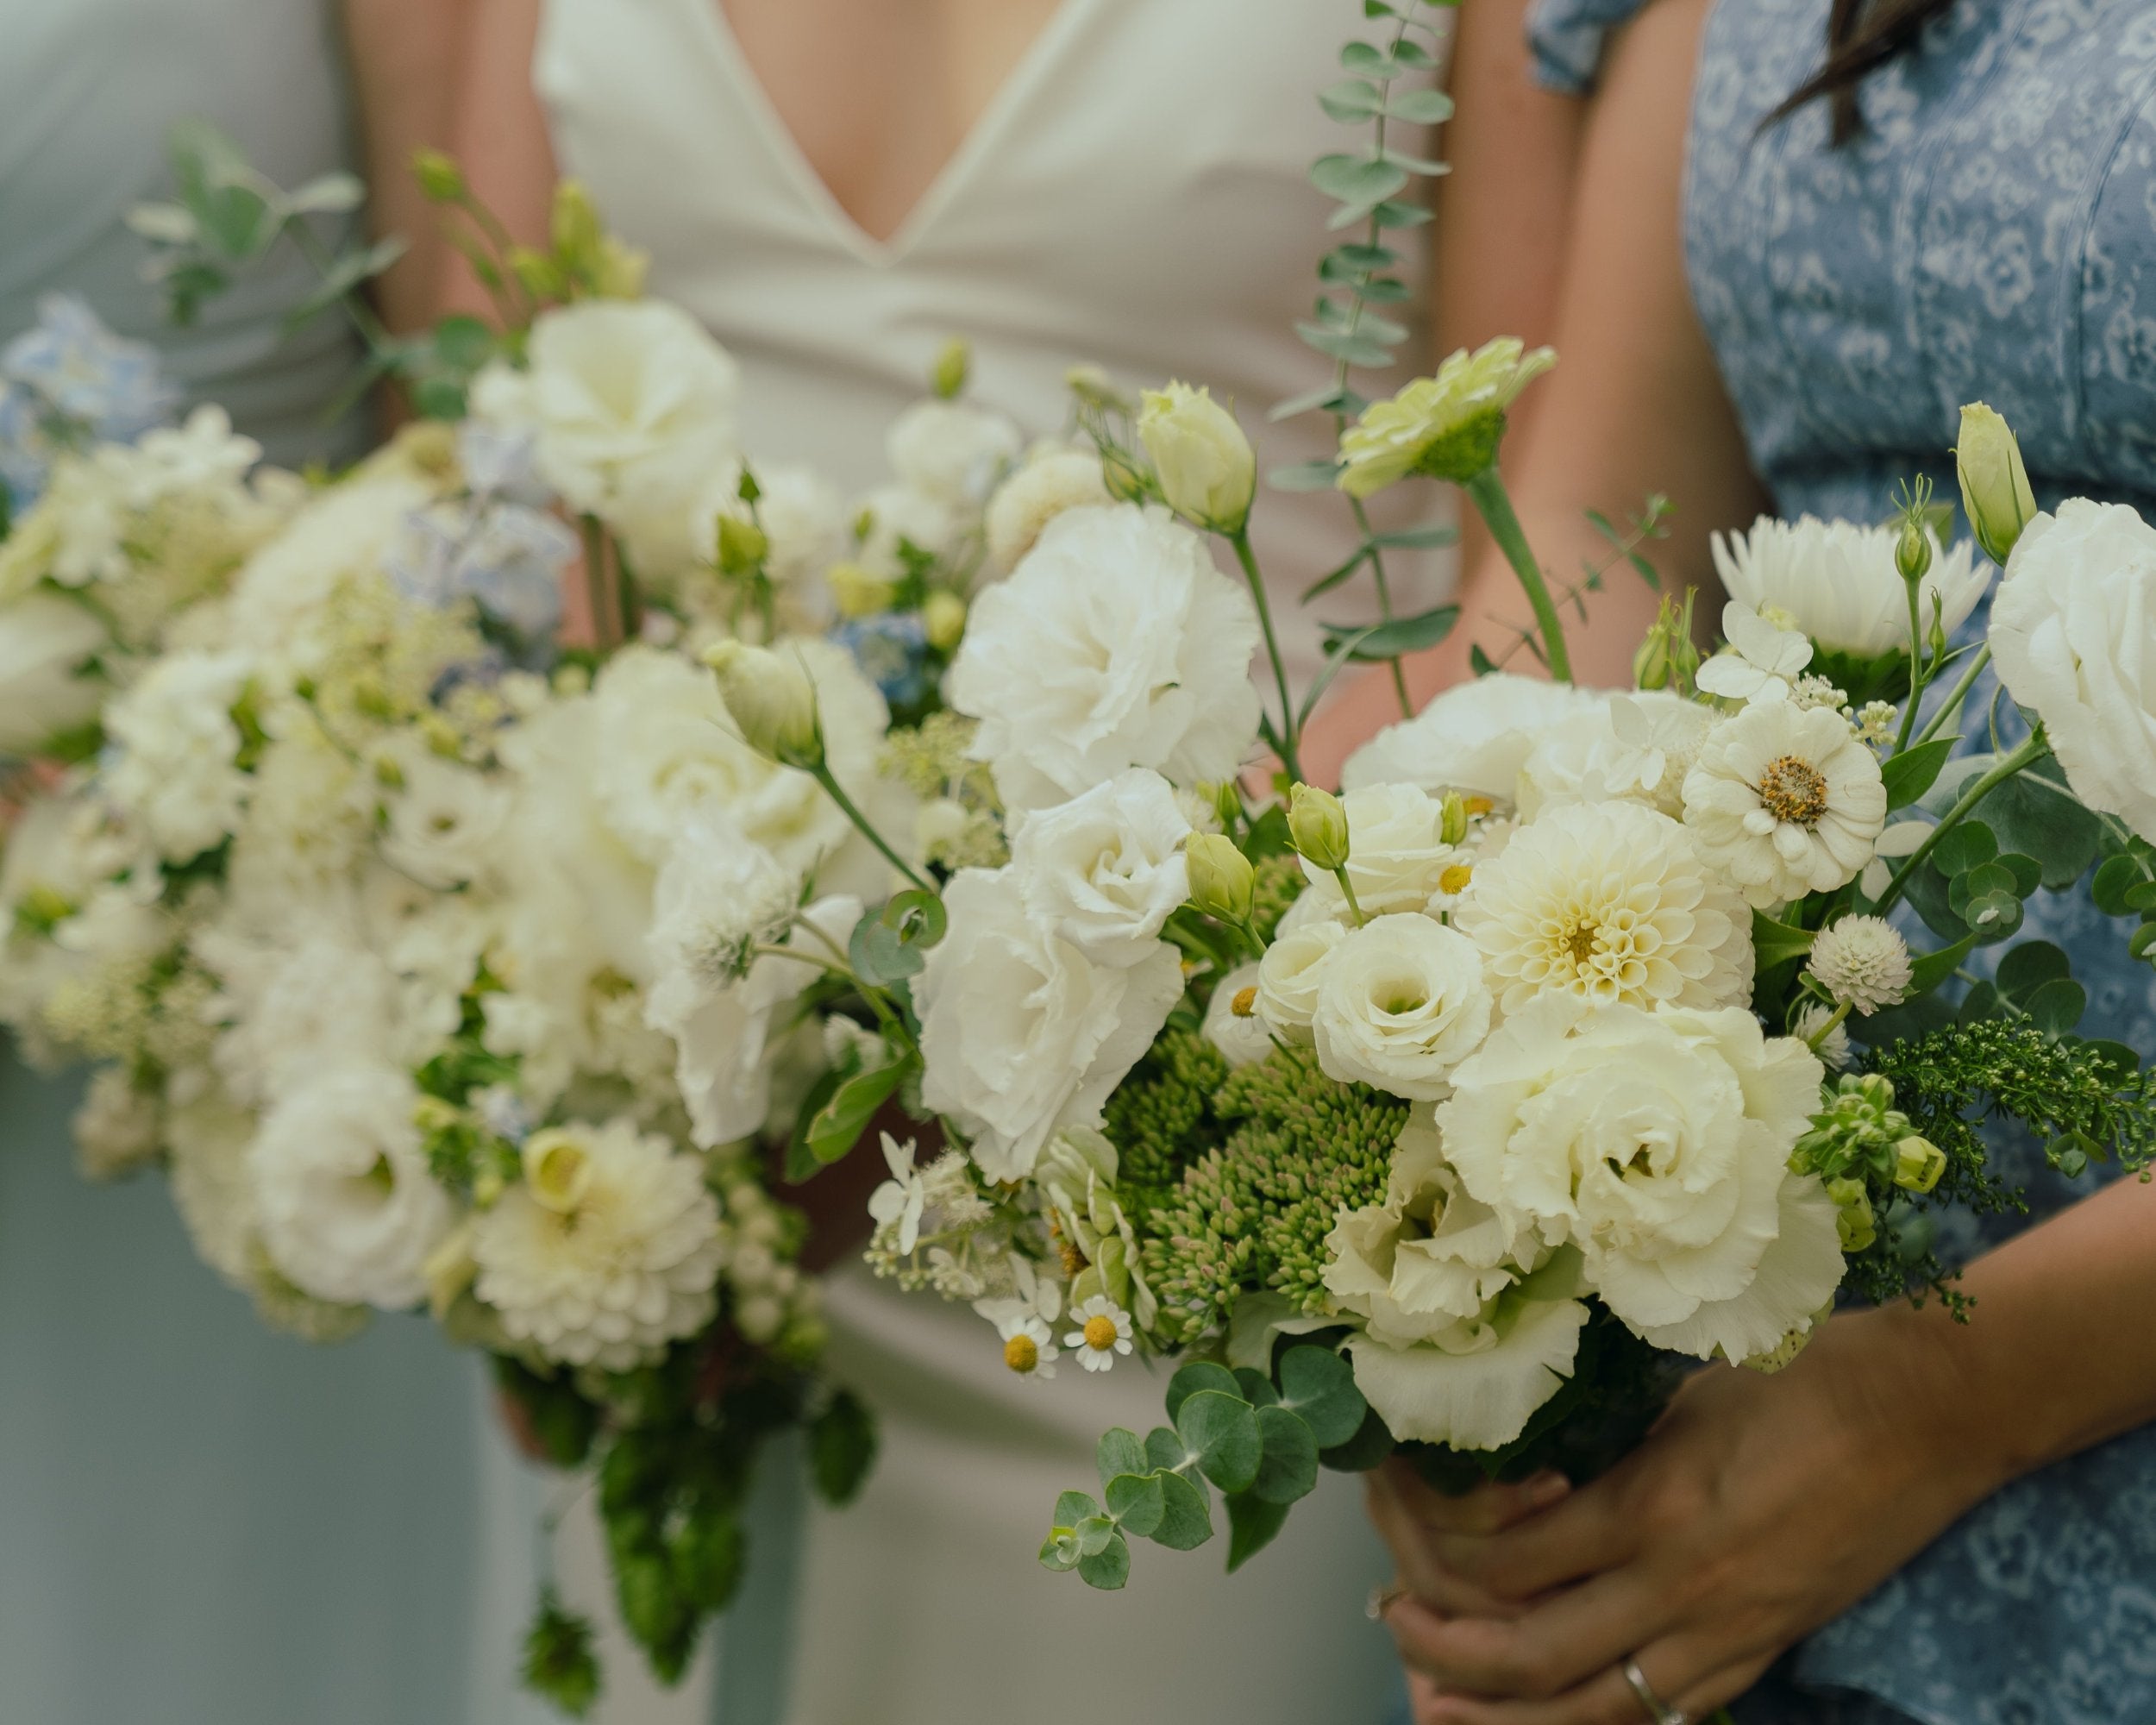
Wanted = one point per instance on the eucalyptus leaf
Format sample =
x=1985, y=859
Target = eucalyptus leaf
x=1186, y=1519
x=1319, y=1385
x=2057, y=1006
x=1222, y=1429
x=1109, y=1567
x=1390, y=640
x=1352, y=99
x=1370, y=1446
x=1199, y=1374
x=1963, y=847
x=1120, y=1450
x=1420, y=107
x=1338, y=344
x=2114, y=878
x=1304, y=476
x=1138, y=1501
x=1363, y=181
x=1253, y=1524
x=1288, y=1464
x=2040, y=818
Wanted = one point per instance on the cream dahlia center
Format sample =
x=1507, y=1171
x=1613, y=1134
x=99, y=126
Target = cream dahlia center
x=1792, y=790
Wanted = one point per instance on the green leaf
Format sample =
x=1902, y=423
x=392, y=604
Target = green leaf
x=1420, y=107
x=801, y=1162
x=2142, y=896
x=1392, y=213
x=1304, y=476
x=344, y=277
x=708, y=1556
x=836, y=1126
x=1223, y=1430
x=1370, y=1446
x=1360, y=181
x=1319, y=1384
x=2028, y=967
x=464, y=343
x=2057, y=1006
x=1333, y=578
x=1412, y=164
x=1074, y=1507
x=1107, y=1568
x=1927, y=971
x=1913, y=771
x=1327, y=396
x=1138, y=1501
x=1966, y=847
x=1983, y=881
x=1287, y=1464
x=841, y=1441
x=1256, y=1388
x=1366, y=58
x=1778, y=943
x=1345, y=262
x=1417, y=538
x=1199, y=1374
x=1409, y=53
x=1351, y=99
x=1338, y=344
x=1253, y=1524
x=1186, y=1519
x=2027, y=871
x=1367, y=645
x=1479, y=661
x=1119, y=1451
x=2040, y=818
x=1995, y=916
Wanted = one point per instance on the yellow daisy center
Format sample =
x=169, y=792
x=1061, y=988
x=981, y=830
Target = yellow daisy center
x=1099, y=1333
x=1245, y=1003
x=1454, y=879
x=1793, y=790
x=1021, y=1353
x=1478, y=805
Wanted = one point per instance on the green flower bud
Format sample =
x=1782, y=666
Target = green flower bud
x=1319, y=826
x=1222, y=881
x=1853, y=1221
x=859, y=591
x=1918, y=1163
x=953, y=364
x=1994, y=489
x=1913, y=550
x=1207, y=471
x=1453, y=818
x=438, y=175
x=772, y=700
x=743, y=546
x=1667, y=658
x=1125, y=482
x=943, y=620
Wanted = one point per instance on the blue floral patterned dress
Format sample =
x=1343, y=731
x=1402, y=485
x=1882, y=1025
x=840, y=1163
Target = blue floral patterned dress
x=1992, y=235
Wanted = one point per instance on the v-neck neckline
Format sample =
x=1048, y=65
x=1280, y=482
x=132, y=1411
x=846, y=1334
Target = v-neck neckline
x=1026, y=73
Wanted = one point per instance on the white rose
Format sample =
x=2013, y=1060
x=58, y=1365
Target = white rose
x=2071, y=634
x=1839, y=581
x=44, y=643
x=1397, y=855
x=1472, y=739
x=1400, y=1004
x=178, y=748
x=1657, y=1144
x=1106, y=869
x=1115, y=643
x=348, y=1211
x=1292, y=970
x=1022, y=1036
x=951, y=451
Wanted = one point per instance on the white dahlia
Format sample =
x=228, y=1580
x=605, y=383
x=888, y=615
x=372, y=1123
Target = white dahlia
x=606, y=1251
x=1611, y=902
x=1785, y=801
x=1839, y=582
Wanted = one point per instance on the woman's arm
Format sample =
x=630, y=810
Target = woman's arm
x=500, y=139
x=1762, y=1507
x=1635, y=407
x=407, y=61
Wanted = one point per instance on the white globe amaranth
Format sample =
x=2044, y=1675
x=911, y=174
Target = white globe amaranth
x=1400, y=1003
x=2073, y=636
x=1022, y=1035
x=1609, y=901
x=1862, y=960
x=347, y=1210
x=1473, y=738
x=1105, y=869
x=1839, y=582
x=1785, y=801
x=1116, y=643
x=628, y=1263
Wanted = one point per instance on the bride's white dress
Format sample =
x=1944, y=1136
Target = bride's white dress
x=1135, y=196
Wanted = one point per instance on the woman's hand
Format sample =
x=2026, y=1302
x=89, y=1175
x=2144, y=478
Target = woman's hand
x=1758, y=1508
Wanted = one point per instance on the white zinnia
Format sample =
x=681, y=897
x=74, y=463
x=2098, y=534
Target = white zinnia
x=611, y=1278
x=1839, y=584
x=1052, y=481
x=2073, y=635
x=1022, y=1035
x=347, y=1210
x=1862, y=960
x=1401, y=1003
x=1473, y=738
x=1115, y=643
x=1106, y=869
x=1609, y=901
x=1785, y=801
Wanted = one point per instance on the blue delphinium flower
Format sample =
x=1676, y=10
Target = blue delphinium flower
x=891, y=650
x=67, y=382
x=504, y=556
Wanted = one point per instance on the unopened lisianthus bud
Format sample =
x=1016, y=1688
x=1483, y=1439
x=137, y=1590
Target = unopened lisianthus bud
x=1918, y=1164
x=1222, y=881
x=953, y=364
x=1995, y=488
x=772, y=700
x=1913, y=551
x=743, y=546
x=1319, y=826
x=859, y=591
x=1853, y=1219
x=943, y=620
x=438, y=175
x=557, y=1170
x=1452, y=817
x=1207, y=471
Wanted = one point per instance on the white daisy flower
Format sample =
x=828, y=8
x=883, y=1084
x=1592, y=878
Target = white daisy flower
x=1023, y=1321
x=1761, y=661
x=1103, y=1331
x=1840, y=582
x=1786, y=802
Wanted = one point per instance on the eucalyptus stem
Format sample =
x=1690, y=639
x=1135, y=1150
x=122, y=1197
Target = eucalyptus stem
x=2030, y=751
x=380, y=344
x=1486, y=491
x=836, y=792
x=1955, y=696
x=1384, y=604
x=1289, y=735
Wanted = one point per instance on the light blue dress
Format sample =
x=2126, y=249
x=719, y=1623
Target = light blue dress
x=1992, y=235
x=200, y=1522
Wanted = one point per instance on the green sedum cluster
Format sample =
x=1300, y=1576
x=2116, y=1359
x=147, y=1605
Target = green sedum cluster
x=1280, y=883
x=1160, y=1117
x=1255, y=1212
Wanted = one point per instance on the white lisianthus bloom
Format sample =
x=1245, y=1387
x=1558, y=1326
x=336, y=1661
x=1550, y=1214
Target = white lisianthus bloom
x=1804, y=1257
x=1637, y=746
x=1611, y=902
x=1659, y=1143
x=1055, y=479
x=951, y=451
x=632, y=407
x=1785, y=801
x=46, y=643
x=1762, y=659
x=2070, y=634
x=1232, y=1024
x=1401, y=1003
x=1291, y=971
x=178, y=748
x=1474, y=1384
x=1022, y=1035
x=443, y=819
x=607, y=1267
x=1839, y=585
x=1397, y=856
x=1116, y=643
x=1106, y=869
x=348, y=1211
x=1473, y=738
x=208, y=1137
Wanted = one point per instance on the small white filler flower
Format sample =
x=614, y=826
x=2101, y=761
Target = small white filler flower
x=1103, y=1331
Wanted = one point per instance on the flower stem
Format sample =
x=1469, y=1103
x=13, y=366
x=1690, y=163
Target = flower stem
x=1955, y=697
x=1347, y=887
x=2027, y=755
x=1819, y=1036
x=1486, y=491
x=1384, y=602
x=1288, y=758
x=606, y=624
x=832, y=789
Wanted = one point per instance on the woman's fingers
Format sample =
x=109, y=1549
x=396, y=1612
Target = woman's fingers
x=1605, y=1698
x=1540, y=1655
x=1579, y=1534
x=1400, y=1504
x=1489, y=1508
